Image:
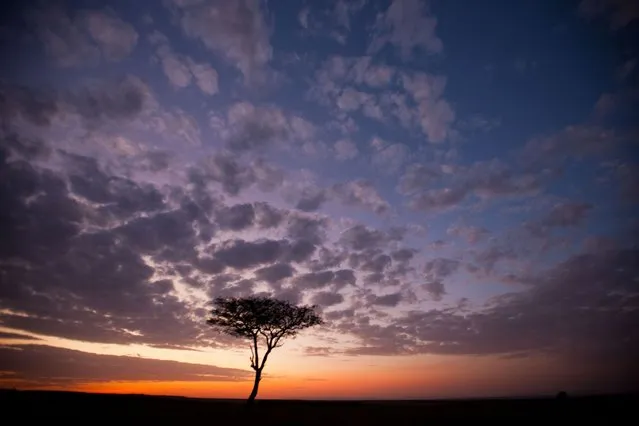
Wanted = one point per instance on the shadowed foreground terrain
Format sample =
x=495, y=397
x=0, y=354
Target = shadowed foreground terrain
x=180, y=410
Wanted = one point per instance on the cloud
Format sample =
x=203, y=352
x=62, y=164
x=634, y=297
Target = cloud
x=440, y=267
x=181, y=69
x=41, y=365
x=587, y=302
x=307, y=228
x=438, y=199
x=237, y=217
x=225, y=170
x=566, y=214
x=573, y=141
x=418, y=176
x=345, y=150
x=236, y=30
x=346, y=82
x=275, y=273
x=360, y=237
x=175, y=69
x=403, y=255
x=326, y=298
x=15, y=336
x=82, y=39
x=435, y=290
x=240, y=254
x=472, y=234
x=302, y=17
x=388, y=156
x=407, y=25
x=115, y=37
x=80, y=224
x=333, y=20
x=434, y=114
x=388, y=300
x=248, y=127
x=361, y=193
x=485, y=180
x=101, y=102
x=205, y=77
x=312, y=199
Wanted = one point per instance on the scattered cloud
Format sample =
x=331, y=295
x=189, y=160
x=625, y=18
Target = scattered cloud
x=407, y=25
x=83, y=37
x=237, y=30
x=331, y=154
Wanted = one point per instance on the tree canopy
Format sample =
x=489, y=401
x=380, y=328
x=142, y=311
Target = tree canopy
x=261, y=318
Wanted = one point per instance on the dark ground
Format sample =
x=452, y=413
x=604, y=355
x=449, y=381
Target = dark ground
x=78, y=407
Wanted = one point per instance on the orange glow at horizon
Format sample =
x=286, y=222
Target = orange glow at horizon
x=445, y=379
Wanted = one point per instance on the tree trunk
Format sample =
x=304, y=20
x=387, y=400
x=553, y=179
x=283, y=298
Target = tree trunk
x=256, y=385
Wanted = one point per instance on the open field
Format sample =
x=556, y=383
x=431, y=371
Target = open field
x=178, y=410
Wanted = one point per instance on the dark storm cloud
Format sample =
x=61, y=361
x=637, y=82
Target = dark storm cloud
x=41, y=365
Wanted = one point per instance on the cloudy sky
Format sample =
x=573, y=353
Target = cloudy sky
x=453, y=183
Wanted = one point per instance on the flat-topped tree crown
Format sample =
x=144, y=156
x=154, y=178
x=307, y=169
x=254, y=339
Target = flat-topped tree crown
x=261, y=318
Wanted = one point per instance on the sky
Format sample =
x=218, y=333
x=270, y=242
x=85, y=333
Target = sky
x=454, y=184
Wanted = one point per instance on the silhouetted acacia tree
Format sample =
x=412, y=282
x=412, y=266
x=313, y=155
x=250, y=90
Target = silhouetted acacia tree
x=261, y=318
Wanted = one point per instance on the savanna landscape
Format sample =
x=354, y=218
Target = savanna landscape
x=312, y=212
